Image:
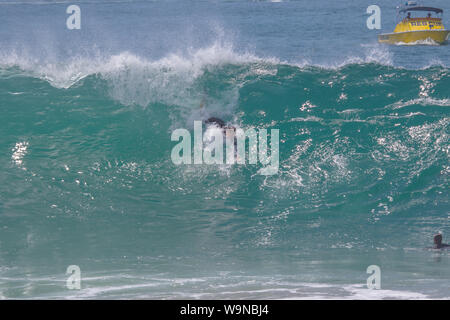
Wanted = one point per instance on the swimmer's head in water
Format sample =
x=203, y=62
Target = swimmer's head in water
x=438, y=239
x=216, y=121
x=219, y=123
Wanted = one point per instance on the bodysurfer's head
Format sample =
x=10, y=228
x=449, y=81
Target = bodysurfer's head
x=215, y=121
x=438, y=240
x=219, y=123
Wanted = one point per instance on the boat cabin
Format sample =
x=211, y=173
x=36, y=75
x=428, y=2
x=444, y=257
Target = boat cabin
x=415, y=18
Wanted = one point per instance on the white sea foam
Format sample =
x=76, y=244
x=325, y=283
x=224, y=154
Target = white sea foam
x=423, y=101
x=191, y=64
x=240, y=288
x=360, y=292
x=426, y=42
x=184, y=66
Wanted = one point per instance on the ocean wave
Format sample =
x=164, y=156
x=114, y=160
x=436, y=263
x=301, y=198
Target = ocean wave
x=340, y=128
x=188, y=65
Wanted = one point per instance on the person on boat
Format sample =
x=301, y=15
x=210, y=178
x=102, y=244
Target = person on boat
x=408, y=16
x=429, y=15
x=438, y=242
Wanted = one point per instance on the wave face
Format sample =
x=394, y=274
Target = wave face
x=87, y=175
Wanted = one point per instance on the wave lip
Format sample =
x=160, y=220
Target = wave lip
x=66, y=73
x=190, y=63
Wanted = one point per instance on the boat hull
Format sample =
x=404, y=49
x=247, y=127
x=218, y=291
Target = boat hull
x=438, y=36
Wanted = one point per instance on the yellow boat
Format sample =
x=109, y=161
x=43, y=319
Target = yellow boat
x=418, y=30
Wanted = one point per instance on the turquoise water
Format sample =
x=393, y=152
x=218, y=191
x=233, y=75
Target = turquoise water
x=87, y=178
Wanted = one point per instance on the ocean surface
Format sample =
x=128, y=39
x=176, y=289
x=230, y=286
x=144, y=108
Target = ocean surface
x=86, y=176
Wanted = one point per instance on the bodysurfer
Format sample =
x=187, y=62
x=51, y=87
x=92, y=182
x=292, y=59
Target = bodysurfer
x=438, y=242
